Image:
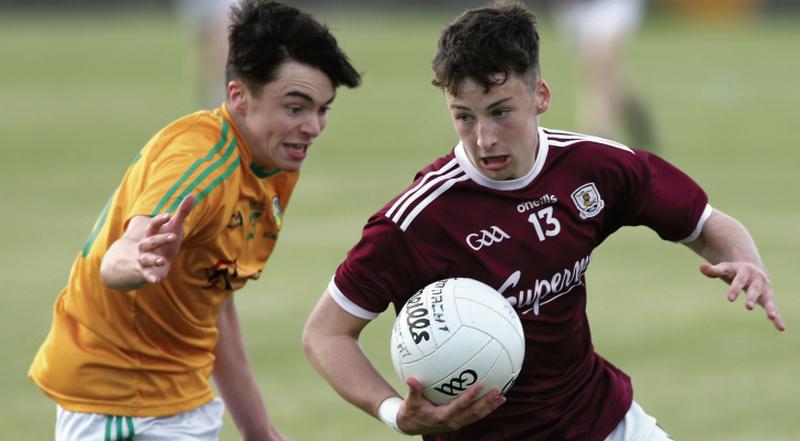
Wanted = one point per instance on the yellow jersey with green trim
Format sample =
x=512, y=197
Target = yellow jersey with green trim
x=150, y=352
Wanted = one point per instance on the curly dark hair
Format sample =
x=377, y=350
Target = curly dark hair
x=265, y=34
x=497, y=39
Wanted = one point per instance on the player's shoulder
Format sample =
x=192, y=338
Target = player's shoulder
x=198, y=150
x=584, y=143
x=197, y=134
x=202, y=130
x=427, y=191
x=443, y=163
x=593, y=151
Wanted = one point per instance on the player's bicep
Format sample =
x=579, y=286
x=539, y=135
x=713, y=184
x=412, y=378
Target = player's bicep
x=329, y=319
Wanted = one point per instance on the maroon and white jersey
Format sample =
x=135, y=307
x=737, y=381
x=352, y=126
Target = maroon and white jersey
x=532, y=239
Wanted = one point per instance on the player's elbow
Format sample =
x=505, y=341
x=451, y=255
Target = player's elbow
x=330, y=331
x=309, y=339
x=315, y=340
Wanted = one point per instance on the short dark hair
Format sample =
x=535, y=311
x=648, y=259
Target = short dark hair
x=497, y=39
x=265, y=34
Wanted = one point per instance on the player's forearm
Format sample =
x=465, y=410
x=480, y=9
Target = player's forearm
x=724, y=239
x=235, y=380
x=120, y=268
x=343, y=364
x=239, y=389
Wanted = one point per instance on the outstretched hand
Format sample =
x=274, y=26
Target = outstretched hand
x=162, y=240
x=419, y=416
x=753, y=280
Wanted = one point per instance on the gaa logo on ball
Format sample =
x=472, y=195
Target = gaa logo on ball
x=454, y=333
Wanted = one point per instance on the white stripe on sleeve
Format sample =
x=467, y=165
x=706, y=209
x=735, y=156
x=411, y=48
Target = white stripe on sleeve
x=699, y=228
x=347, y=304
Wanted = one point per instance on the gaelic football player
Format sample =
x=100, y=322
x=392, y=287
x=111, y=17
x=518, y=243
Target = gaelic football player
x=147, y=315
x=521, y=208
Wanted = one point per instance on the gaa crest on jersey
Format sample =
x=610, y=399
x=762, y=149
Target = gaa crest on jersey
x=588, y=200
x=237, y=220
x=277, y=217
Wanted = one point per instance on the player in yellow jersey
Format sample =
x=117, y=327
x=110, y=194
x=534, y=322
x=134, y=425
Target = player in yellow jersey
x=147, y=315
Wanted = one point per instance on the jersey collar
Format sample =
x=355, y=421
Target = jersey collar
x=512, y=184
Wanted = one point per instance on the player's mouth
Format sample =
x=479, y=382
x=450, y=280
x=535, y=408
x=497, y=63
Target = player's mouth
x=296, y=151
x=495, y=162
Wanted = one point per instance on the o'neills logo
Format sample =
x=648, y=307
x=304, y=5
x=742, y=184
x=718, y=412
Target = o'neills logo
x=486, y=238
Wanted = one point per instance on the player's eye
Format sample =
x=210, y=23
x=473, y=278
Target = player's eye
x=500, y=113
x=294, y=110
x=464, y=118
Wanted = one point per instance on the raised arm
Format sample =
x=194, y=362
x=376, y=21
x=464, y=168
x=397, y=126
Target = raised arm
x=145, y=251
x=330, y=341
x=733, y=257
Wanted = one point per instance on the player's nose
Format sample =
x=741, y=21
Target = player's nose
x=487, y=135
x=312, y=126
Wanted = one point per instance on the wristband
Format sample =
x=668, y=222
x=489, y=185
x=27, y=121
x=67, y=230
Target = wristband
x=388, y=411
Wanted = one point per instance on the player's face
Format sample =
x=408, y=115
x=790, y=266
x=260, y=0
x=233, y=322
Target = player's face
x=281, y=123
x=499, y=128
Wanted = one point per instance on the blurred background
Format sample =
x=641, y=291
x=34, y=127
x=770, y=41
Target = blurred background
x=84, y=84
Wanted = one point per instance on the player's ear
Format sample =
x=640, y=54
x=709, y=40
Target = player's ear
x=237, y=96
x=542, y=97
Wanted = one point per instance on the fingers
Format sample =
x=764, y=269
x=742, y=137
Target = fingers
x=739, y=283
x=422, y=416
x=414, y=397
x=752, y=279
x=156, y=241
x=778, y=322
x=767, y=301
x=155, y=224
x=738, y=276
x=182, y=212
x=760, y=292
x=151, y=261
x=153, y=266
x=485, y=405
x=160, y=241
x=491, y=401
x=755, y=290
x=466, y=409
x=417, y=419
x=722, y=271
x=151, y=277
x=464, y=400
x=772, y=312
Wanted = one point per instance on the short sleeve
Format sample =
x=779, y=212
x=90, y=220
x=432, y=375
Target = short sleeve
x=383, y=267
x=666, y=199
x=181, y=170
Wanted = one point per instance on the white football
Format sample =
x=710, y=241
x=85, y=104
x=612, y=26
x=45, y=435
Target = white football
x=454, y=333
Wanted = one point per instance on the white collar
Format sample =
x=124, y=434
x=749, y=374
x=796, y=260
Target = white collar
x=512, y=184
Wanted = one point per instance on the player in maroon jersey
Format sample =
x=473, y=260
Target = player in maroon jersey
x=521, y=208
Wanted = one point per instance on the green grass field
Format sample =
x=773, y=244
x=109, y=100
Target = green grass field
x=81, y=93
